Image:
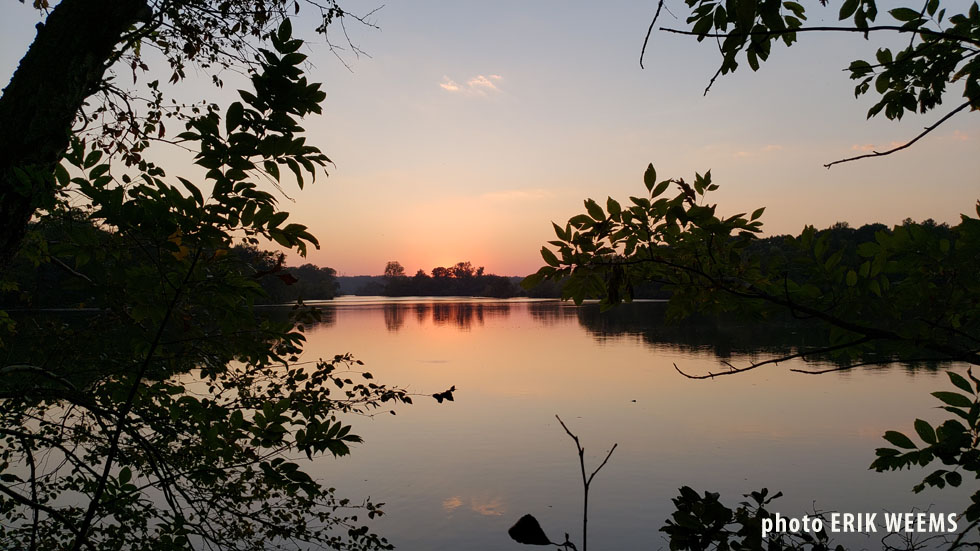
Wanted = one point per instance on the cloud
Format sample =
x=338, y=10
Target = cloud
x=451, y=504
x=449, y=85
x=479, y=85
x=864, y=147
x=960, y=136
x=772, y=147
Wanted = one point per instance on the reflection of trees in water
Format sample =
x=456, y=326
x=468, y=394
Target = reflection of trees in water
x=328, y=315
x=551, y=313
x=720, y=337
x=462, y=315
x=394, y=316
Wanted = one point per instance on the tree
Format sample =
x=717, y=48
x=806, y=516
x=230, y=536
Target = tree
x=171, y=416
x=394, y=270
x=66, y=82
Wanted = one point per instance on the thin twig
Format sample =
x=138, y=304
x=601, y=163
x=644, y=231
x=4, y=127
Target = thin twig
x=646, y=39
x=928, y=129
x=586, y=481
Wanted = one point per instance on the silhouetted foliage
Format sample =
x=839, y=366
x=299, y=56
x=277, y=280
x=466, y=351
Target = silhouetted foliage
x=175, y=411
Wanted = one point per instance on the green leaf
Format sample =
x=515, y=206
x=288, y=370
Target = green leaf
x=595, y=211
x=953, y=399
x=959, y=381
x=904, y=14
x=852, y=278
x=847, y=9
x=650, y=178
x=549, y=257
x=900, y=440
x=954, y=478
x=193, y=189
x=925, y=431
x=613, y=207
x=757, y=213
x=285, y=30
x=234, y=116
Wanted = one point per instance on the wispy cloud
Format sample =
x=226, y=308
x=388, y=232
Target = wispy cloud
x=863, y=147
x=449, y=85
x=479, y=85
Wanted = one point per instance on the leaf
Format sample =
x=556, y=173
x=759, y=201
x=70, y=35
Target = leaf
x=899, y=439
x=954, y=478
x=595, y=211
x=650, y=178
x=234, y=116
x=661, y=187
x=953, y=399
x=193, y=189
x=549, y=256
x=285, y=30
x=959, y=381
x=528, y=531
x=613, y=207
x=757, y=213
x=904, y=14
x=925, y=431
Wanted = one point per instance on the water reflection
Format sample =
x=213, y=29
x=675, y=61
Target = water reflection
x=462, y=316
x=642, y=321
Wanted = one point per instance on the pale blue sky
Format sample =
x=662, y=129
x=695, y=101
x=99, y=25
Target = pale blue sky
x=474, y=124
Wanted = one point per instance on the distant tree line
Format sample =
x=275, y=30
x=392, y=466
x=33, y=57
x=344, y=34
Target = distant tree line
x=56, y=283
x=461, y=279
x=62, y=285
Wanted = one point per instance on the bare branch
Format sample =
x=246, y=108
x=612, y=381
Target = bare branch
x=734, y=370
x=862, y=364
x=928, y=129
x=586, y=481
x=646, y=39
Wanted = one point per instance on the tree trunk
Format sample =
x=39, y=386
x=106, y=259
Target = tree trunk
x=63, y=67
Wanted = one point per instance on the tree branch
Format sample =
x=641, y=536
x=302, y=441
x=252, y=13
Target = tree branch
x=734, y=370
x=892, y=28
x=928, y=129
x=646, y=39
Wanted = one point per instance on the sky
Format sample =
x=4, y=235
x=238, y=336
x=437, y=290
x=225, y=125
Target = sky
x=469, y=126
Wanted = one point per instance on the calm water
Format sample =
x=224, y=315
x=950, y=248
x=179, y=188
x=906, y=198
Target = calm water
x=458, y=475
